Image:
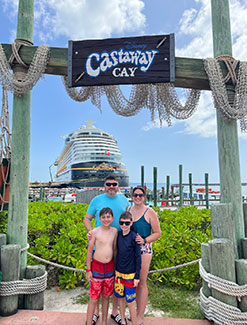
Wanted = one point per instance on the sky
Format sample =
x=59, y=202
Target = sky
x=191, y=143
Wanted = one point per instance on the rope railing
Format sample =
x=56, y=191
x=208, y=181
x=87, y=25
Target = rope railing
x=83, y=271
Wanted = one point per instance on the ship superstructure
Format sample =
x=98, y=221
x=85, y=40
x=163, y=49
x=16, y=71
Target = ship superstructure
x=89, y=156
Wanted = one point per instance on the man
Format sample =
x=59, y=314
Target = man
x=118, y=203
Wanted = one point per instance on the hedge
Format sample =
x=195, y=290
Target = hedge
x=56, y=233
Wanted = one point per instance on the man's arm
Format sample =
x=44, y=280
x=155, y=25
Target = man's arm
x=87, y=221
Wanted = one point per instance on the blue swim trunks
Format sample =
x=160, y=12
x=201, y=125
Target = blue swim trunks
x=124, y=286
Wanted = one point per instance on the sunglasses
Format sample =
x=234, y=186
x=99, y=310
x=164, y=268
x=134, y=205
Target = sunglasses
x=127, y=223
x=136, y=195
x=111, y=184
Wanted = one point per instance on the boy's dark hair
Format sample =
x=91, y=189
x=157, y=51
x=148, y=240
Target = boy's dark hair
x=111, y=178
x=105, y=211
x=126, y=215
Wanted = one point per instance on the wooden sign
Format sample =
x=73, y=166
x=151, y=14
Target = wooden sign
x=128, y=60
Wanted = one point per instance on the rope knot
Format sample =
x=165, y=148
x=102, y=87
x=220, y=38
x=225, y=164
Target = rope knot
x=231, y=65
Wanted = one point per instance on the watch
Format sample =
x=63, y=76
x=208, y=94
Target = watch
x=145, y=240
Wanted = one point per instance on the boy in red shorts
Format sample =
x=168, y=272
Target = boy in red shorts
x=100, y=269
x=128, y=266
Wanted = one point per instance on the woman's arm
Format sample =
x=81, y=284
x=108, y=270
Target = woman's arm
x=155, y=225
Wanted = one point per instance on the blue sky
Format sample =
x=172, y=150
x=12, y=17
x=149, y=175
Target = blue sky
x=191, y=142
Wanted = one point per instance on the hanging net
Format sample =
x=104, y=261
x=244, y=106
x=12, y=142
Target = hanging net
x=230, y=100
x=161, y=99
x=5, y=152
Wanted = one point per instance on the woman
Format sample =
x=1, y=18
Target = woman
x=147, y=227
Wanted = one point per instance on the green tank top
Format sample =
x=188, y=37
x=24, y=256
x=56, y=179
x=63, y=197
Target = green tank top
x=142, y=227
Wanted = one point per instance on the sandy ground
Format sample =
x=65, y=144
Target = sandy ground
x=65, y=301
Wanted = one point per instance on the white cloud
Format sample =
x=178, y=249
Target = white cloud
x=196, y=24
x=83, y=19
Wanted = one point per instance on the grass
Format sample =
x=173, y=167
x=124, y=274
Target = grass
x=169, y=302
x=174, y=302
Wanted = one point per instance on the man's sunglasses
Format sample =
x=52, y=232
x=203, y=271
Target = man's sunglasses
x=111, y=184
x=127, y=223
x=136, y=195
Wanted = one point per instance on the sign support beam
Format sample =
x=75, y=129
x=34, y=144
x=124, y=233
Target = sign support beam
x=20, y=149
x=228, y=147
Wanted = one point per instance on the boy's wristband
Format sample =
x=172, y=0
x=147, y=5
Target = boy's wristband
x=88, y=270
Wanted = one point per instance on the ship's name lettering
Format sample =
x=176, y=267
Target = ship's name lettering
x=97, y=63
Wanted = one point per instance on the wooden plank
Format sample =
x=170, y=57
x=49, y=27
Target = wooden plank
x=241, y=274
x=34, y=301
x=205, y=263
x=10, y=263
x=223, y=225
x=189, y=73
x=222, y=264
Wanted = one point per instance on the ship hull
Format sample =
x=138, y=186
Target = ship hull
x=93, y=174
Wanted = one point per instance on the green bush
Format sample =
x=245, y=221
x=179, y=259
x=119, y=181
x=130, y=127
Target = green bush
x=183, y=231
x=56, y=233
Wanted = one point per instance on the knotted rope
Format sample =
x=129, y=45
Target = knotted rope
x=25, y=286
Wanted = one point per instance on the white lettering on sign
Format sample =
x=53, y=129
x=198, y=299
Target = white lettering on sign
x=97, y=63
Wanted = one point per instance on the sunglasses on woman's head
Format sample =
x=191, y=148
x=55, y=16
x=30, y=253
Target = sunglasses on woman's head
x=136, y=195
x=111, y=184
x=127, y=223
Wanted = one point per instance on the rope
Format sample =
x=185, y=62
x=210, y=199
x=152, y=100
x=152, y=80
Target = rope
x=25, y=286
x=221, y=313
x=55, y=264
x=227, y=287
x=83, y=271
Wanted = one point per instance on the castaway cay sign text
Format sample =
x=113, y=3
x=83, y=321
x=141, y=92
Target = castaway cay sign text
x=146, y=59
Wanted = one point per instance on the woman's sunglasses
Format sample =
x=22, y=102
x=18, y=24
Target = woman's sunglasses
x=111, y=184
x=140, y=195
x=127, y=223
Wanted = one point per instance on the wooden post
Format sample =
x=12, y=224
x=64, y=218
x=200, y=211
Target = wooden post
x=222, y=264
x=2, y=242
x=222, y=223
x=241, y=274
x=20, y=149
x=205, y=263
x=167, y=186
x=206, y=190
x=142, y=176
x=34, y=301
x=181, y=198
x=228, y=148
x=162, y=192
x=191, y=190
x=155, y=186
x=245, y=217
x=10, y=264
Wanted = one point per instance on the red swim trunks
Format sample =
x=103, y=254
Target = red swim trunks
x=103, y=279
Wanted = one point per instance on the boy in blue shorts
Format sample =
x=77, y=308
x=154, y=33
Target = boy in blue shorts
x=128, y=266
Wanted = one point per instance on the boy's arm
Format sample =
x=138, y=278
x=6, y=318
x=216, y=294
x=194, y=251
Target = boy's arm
x=89, y=256
x=115, y=247
x=138, y=260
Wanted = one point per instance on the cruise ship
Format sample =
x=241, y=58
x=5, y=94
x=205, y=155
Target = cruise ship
x=88, y=157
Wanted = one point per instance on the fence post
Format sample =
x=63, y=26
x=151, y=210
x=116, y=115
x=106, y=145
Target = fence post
x=167, y=187
x=222, y=223
x=191, y=190
x=241, y=273
x=10, y=264
x=142, y=176
x=34, y=301
x=155, y=186
x=205, y=263
x=206, y=190
x=181, y=198
x=222, y=264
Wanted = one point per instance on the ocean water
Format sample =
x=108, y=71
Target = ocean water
x=186, y=188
